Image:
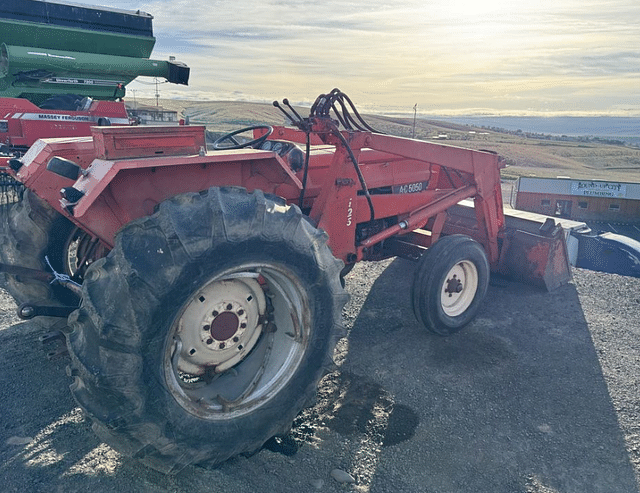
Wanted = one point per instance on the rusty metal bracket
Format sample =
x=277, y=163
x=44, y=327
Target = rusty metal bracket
x=16, y=270
x=51, y=336
x=61, y=351
x=41, y=275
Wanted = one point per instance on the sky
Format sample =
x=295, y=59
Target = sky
x=448, y=57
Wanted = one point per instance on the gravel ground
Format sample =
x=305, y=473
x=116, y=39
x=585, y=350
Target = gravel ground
x=538, y=394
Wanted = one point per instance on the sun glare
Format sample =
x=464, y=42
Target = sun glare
x=470, y=8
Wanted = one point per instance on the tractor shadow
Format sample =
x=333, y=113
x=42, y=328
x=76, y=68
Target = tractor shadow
x=46, y=443
x=516, y=401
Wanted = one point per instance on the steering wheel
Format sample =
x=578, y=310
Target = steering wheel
x=217, y=145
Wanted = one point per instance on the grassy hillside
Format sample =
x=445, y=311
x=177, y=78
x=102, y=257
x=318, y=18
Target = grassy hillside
x=523, y=156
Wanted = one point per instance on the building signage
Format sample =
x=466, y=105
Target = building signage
x=598, y=189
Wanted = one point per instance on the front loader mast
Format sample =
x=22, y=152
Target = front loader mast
x=463, y=175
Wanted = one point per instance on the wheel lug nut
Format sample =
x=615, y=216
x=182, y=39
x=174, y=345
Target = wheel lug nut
x=215, y=313
x=222, y=345
x=229, y=306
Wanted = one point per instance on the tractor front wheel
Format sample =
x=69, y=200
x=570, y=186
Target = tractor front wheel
x=449, y=284
x=206, y=329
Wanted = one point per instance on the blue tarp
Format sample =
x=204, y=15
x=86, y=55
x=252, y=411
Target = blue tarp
x=609, y=252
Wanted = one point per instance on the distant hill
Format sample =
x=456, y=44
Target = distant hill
x=523, y=156
x=614, y=127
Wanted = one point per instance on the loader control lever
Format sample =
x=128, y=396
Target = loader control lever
x=320, y=110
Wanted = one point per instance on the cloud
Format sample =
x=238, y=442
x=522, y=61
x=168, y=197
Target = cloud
x=540, y=56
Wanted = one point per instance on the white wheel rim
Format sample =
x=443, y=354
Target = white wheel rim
x=243, y=348
x=243, y=302
x=459, y=288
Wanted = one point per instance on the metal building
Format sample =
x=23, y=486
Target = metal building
x=581, y=200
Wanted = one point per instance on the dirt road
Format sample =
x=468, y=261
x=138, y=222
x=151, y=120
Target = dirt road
x=539, y=394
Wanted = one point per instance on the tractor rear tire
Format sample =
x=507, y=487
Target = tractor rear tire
x=450, y=284
x=206, y=329
x=33, y=230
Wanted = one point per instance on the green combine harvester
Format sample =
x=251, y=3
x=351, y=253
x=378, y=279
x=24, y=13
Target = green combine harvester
x=64, y=68
x=54, y=48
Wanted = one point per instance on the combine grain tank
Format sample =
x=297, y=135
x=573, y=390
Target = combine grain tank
x=53, y=48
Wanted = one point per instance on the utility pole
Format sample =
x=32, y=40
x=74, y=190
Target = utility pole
x=157, y=94
x=415, y=110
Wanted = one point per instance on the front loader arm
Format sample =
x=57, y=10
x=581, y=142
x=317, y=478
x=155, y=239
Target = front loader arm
x=475, y=175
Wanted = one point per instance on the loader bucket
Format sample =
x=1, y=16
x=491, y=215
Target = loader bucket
x=536, y=254
x=533, y=247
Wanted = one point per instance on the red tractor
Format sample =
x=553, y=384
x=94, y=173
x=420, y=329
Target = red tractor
x=22, y=122
x=211, y=281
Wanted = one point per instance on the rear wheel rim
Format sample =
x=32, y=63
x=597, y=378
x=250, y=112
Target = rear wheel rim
x=80, y=251
x=237, y=341
x=459, y=288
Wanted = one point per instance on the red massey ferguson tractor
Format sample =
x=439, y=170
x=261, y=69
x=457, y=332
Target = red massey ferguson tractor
x=204, y=288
